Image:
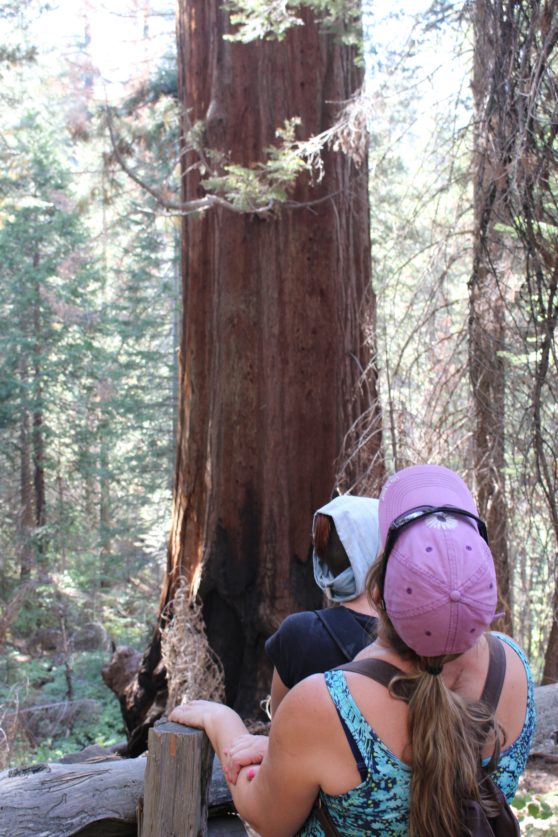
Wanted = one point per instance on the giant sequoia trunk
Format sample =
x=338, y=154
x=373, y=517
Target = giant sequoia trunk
x=487, y=325
x=272, y=350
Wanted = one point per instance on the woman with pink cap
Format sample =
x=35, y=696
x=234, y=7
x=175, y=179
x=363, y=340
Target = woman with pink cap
x=400, y=754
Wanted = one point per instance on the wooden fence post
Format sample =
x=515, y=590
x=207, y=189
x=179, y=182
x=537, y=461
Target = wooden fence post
x=177, y=778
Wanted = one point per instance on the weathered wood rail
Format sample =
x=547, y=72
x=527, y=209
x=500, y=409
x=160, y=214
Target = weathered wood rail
x=176, y=783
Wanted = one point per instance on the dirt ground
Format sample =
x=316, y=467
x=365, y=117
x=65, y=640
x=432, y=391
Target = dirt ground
x=540, y=776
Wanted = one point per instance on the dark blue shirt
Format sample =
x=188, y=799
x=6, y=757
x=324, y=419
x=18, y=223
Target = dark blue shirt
x=302, y=645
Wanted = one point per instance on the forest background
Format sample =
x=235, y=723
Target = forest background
x=459, y=107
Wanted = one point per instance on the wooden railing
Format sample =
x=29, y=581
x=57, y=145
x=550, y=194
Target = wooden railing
x=176, y=782
x=176, y=787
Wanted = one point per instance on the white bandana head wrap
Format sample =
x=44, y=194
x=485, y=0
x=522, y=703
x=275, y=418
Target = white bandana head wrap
x=356, y=522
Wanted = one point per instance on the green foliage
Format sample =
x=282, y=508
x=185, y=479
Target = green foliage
x=16, y=54
x=259, y=187
x=271, y=20
x=537, y=813
x=43, y=682
x=12, y=9
x=162, y=85
x=260, y=19
x=89, y=318
x=14, y=17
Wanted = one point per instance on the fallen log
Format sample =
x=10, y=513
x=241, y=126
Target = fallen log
x=62, y=800
x=546, y=734
x=92, y=799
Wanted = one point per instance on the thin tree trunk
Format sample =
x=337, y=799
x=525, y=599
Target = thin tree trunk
x=550, y=671
x=487, y=323
x=105, y=540
x=26, y=515
x=545, y=464
x=37, y=435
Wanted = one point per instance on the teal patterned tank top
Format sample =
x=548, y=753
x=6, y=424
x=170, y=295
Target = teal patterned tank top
x=379, y=806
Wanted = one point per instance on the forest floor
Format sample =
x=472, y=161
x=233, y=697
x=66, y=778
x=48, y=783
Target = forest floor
x=539, y=778
x=538, y=793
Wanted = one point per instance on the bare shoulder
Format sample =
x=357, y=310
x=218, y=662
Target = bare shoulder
x=513, y=701
x=303, y=715
x=308, y=700
x=517, y=669
x=515, y=655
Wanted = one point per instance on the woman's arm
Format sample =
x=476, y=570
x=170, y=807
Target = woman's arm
x=278, y=691
x=279, y=798
x=243, y=752
x=221, y=724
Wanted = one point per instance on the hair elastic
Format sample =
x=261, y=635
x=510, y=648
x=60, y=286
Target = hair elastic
x=434, y=670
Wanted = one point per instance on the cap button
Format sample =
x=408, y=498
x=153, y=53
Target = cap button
x=455, y=596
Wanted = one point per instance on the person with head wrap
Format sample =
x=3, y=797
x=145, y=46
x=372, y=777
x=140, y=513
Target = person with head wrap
x=345, y=537
x=400, y=756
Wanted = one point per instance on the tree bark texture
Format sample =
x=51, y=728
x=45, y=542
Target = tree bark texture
x=487, y=309
x=60, y=800
x=550, y=673
x=273, y=342
x=516, y=163
x=176, y=782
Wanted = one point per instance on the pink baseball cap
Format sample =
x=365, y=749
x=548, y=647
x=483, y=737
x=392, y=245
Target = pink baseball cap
x=440, y=583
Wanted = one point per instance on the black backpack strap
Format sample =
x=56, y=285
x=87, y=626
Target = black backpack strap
x=344, y=629
x=496, y=673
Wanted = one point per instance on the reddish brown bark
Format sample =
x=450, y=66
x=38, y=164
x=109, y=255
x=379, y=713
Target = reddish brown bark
x=487, y=325
x=550, y=671
x=271, y=343
x=272, y=347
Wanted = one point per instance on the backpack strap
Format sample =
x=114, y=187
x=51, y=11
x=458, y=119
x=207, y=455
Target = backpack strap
x=344, y=629
x=496, y=673
x=475, y=820
x=377, y=670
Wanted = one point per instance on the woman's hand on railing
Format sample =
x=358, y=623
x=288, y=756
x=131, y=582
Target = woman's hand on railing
x=197, y=713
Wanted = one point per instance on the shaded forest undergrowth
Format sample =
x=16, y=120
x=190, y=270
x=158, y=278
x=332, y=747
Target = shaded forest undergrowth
x=56, y=702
